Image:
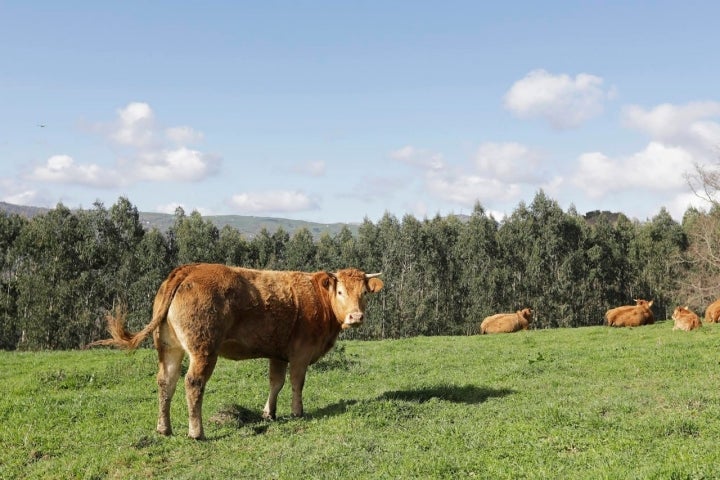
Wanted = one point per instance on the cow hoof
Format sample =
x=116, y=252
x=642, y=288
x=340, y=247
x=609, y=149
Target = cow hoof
x=164, y=431
x=268, y=416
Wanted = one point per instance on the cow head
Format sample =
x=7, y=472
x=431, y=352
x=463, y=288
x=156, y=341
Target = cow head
x=680, y=311
x=639, y=302
x=347, y=292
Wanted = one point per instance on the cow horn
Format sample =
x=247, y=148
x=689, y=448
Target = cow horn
x=372, y=275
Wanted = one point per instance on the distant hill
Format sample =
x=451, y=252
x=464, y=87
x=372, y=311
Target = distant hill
x=247, y=225
x=21, y=210
x=251, y=226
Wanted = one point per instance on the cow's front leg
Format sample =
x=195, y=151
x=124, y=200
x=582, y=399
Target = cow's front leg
x=278, y=370
x=297, y=379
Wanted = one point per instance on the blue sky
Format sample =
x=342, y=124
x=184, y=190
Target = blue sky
x=337, y=111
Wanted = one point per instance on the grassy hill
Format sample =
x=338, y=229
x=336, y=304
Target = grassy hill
x=248, y=225
x=591, y=402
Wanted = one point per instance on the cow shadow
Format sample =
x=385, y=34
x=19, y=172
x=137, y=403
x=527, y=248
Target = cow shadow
x=467, y=394
x=240, y=417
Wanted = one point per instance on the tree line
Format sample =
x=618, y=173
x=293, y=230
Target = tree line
x=62, y=271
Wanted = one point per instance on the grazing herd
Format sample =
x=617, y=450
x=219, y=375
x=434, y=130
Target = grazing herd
x=623, y=316
x=207, y=311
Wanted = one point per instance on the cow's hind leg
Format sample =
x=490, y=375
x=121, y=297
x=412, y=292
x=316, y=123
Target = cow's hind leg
x=278, y=370
x=169, y=364
x=199, y=372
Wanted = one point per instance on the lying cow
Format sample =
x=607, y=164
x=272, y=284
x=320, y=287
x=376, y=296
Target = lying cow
x=210, y=311
x=685, y=319
x=507, y=322
x=631, y=315
x=712, y=313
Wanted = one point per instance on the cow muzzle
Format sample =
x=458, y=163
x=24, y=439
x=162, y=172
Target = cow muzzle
x=354, y=319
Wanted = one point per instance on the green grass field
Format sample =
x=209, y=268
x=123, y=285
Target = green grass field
x=590, y=402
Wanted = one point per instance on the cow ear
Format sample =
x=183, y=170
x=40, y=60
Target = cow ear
x=326, y=279
x=375, y=284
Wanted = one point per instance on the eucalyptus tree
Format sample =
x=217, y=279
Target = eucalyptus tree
x=193, y=239
x=300, y=251
x=477, y=253
x=380, y=247
x=327, y=253
x=52, y=257
x=443, y=300
x=348, y=249
x=233, y=248
x=152, y=263
x=657, y=247
x=368, y=247
x=123, y=233
x=542, y=252
x=11, y=226
x=609, y=269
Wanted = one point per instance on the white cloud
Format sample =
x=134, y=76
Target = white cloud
x=686, y=125
x=498, y=173
x=466, y=189
x=277, y=201
x=679, y=204
x=135, y=126
x=172, y=206
x=181, y=164
x=63, y=169
x=561, y=100
x=183, y=135
x=656, y=168
x=25, y=197
x=509, y=162
x=147, y=153
x=419, y=157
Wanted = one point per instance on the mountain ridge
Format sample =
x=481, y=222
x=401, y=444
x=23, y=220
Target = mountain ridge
x=245, y=224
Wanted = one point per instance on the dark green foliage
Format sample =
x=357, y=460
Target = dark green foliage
x=62, y=270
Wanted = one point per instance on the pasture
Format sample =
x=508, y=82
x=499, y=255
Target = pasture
x=591, y=402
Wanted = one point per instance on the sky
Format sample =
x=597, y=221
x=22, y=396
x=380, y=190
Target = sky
x=340, y=111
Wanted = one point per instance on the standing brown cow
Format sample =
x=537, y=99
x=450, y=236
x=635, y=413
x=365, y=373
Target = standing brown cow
x=631, y=315
x=210, y=311
x=712, y=313
x=507, y=322
x=685, y=319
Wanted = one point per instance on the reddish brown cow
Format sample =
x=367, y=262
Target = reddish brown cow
x=712, y=313
x=631, y=315
x=685, y=319
x=210, y=311
x=507, y=322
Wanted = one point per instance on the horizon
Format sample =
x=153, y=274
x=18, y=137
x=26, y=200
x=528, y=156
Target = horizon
x=587, y=214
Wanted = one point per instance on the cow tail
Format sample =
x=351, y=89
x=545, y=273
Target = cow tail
x=121, y=337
